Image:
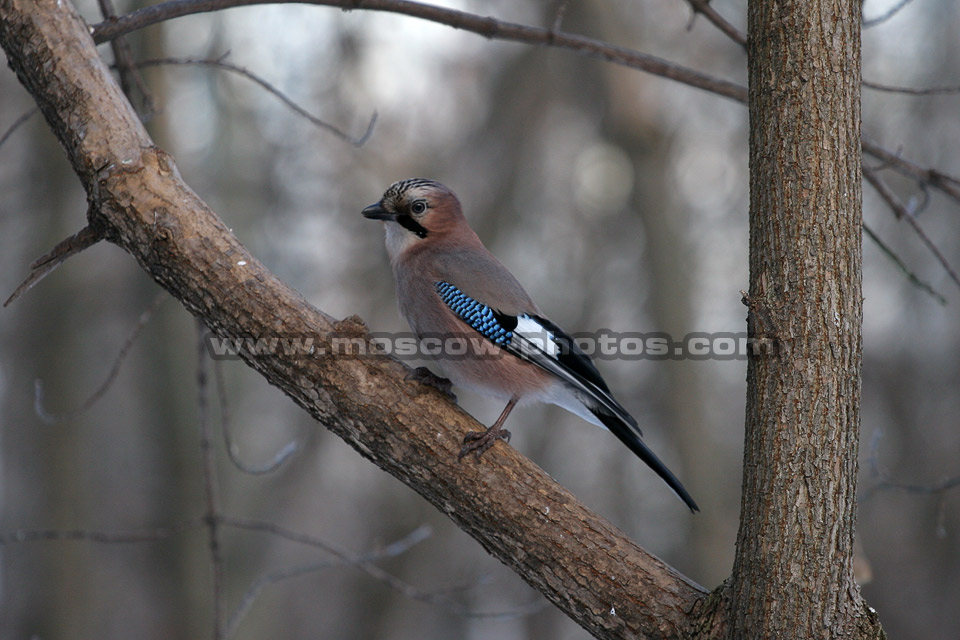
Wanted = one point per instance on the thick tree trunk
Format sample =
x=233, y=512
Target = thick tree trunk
x=792, y=575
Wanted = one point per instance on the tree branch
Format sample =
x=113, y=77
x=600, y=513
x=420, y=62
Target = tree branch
x=130, y=77
x=903, y=213
x=45, y=264
x=944, y=183
x=910, y=91
x=578, y=560
x=703, y=7
x=220, y=63
x=484, y=26
x=883, y=481
x=233, y=450
x=129, y=536
x=23, y=117
x=363, y=561
x=53, y=418
x=498, y=30
x=897, y=260
x=889, y=13
x=211, y=490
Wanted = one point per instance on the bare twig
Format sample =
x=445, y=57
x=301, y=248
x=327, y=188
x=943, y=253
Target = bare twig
x=885, y=483
x=262, y=582
x=219, y=63
x=929, y=91
x=558, y=18
x=885, y=192
x=130, y=78
x=944, y=183
x=703, y=7
x=915, y=206
x=101, y=537
x=45, y=264
x=924, y=177
x=26, y=115
x=394, y=549
x=233, y=452
x=210, y=490
x=495, y=29
x=911, y=276
x=931, y=488
x=902, y=213
x=260, y=526
x=367, y=566
x=889, y=13
x=484, y=26
x=53, y=418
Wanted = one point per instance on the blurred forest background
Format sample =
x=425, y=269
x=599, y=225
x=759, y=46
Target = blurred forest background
x=620, y=201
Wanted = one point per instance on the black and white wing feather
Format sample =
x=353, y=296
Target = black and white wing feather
x=541, y=342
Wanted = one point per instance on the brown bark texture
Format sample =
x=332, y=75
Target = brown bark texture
x=138, y=201
x=792, y=575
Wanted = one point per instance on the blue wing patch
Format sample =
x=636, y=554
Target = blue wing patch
x=494, y=326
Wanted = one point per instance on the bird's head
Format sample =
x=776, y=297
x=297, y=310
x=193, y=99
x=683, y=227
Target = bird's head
x=419, y=209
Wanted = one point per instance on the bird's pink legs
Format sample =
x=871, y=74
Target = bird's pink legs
x=480, y=441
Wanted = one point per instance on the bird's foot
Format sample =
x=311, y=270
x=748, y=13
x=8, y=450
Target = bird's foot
x=423, y=375
x=479, y=441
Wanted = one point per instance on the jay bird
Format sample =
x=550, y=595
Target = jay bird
x=450, y=287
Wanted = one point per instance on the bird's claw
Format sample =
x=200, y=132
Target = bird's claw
x=479, y=441
x=423, y=375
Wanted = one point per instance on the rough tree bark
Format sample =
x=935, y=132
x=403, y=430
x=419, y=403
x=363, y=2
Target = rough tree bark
x=792, y=575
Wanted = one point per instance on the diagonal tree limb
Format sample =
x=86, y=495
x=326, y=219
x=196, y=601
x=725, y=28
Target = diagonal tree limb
x=913, y=278
x=703, y=7
x=903, y=213
x=579, y=561
x=944, y=183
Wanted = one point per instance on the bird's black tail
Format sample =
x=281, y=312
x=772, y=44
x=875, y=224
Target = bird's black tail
x=628, y=436
x=568, y=363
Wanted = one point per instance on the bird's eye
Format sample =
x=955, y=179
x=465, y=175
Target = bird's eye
x=418, y=207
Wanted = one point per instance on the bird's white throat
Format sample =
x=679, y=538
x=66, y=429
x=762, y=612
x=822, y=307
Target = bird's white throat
x=398, y=239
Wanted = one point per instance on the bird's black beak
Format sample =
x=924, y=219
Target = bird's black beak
x=376, y=212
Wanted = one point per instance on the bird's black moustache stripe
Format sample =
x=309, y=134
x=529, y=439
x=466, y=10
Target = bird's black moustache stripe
x=412, y=226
